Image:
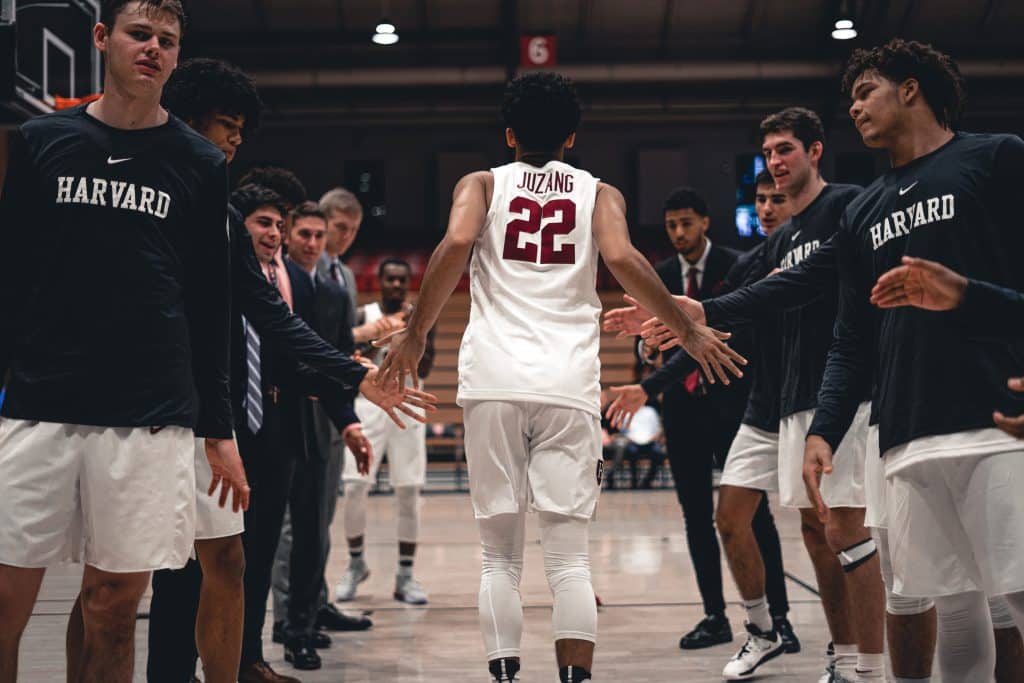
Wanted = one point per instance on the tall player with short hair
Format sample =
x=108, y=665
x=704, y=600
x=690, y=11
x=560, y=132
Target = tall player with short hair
x=529, y=372
x=96, y=440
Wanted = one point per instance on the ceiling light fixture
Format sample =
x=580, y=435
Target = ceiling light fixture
x=843, y=28
x=386, y=34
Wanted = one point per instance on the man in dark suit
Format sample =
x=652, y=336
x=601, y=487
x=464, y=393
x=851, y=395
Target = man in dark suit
x=700, y=419
x=324, y=306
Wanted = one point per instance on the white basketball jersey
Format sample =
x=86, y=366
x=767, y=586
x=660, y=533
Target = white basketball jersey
x=371, y=314
x=534, y=324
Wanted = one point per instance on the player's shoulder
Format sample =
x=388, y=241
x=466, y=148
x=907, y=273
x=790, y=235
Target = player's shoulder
x=844, y=193
x=190, y=144
x=49, y=126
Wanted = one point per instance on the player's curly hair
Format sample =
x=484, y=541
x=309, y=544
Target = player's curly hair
x=938, y=75
x=110, y=9
x=765, y=177
x=248, y=198
x=201, y=87
x=280, y=180
x=542, y=109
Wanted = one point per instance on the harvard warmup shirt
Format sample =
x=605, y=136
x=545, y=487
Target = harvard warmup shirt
x=938, y=372
x=114, y=289
x=534, y=323
x=805, y=332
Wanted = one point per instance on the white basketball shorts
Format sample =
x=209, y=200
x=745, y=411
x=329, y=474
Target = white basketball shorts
x=753, y=460
x=875, y=484
x=955, y=523
x=212, y=520
x=118, y=499
x=532, y=456
x=844, y=488
x=406, y=449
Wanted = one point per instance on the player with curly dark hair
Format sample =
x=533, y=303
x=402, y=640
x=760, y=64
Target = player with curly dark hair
x=541, y=109
x=215, y=98
x=529, y=362
x=280, y=180
x=937, y=75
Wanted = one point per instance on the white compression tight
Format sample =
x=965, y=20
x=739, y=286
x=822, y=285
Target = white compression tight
x=355, y=508
x=407, y=500
x=966, y=646
x=566, y=564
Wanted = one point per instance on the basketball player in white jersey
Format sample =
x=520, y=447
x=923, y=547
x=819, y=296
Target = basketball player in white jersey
x=529, y=372
x=405, y=449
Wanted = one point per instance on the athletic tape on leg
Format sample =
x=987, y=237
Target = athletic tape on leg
x=856, y=555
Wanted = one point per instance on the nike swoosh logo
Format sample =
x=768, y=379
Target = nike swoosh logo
x=795, y=235
x=904, y=190
x=112, y=160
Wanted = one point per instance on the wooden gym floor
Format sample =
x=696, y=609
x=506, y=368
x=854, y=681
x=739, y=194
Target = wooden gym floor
x=641, y=570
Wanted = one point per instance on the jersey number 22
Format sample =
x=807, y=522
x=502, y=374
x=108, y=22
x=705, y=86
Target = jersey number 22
x=535, y=213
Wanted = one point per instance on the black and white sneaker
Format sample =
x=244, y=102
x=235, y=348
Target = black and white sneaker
x=504, y=670
x=759, y=648
x=790, y=643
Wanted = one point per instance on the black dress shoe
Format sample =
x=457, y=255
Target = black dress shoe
x=330, y=618
x=790, y=643
x=713, y=629
x=301, y=654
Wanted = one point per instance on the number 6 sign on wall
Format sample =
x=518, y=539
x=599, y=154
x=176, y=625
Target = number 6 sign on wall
x=564, y=210
x=537, y=51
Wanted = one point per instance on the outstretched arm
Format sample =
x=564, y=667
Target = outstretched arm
x=639, y=278
x=447, y=263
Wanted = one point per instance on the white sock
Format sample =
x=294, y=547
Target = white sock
x=870, y=667
x=846, y=660
x=757, y=613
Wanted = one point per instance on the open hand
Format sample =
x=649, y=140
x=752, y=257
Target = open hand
x=359, y=446
x=393, y=398
x=403, y=359
x=228, y=473
x=920, y=283
x=628, y=400
x=817, y=463
x=627, y=320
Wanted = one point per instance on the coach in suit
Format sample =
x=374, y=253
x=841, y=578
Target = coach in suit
x=700, y=419
x=323, y=305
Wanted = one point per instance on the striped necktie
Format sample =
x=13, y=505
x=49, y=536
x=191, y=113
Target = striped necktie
x=254, y=385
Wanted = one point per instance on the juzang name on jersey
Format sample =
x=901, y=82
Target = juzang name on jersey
x=900, y=223
x=115, y=193
x=542, y=183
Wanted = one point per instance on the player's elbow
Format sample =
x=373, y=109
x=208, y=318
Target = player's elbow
x=619, y=259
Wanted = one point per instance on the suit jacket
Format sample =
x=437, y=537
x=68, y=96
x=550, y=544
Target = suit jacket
x=722, y=271
x=325, y=308
x=285, y=338
x=323, y=269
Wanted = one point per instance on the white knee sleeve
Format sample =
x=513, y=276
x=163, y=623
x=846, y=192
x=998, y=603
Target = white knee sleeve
x=355, y=508
x=966, y=646
x=1015, y=604
x=408, y=500
x=896, y=604
x=999, y=608
x=567, y=566
x=501, y=606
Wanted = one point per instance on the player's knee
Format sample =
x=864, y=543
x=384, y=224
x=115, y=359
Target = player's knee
x=224, y=563
x=564, y=542
x=110, y=602
x=500, y=566
x=729, y=524
x=408, y=501
x=900, y=606
x=813, y=532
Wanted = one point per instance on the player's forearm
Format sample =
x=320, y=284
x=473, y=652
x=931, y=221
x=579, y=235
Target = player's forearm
x=208, y=309
x=638, y=277
x=788, y=289
x=993, y=309
x=444, y=271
